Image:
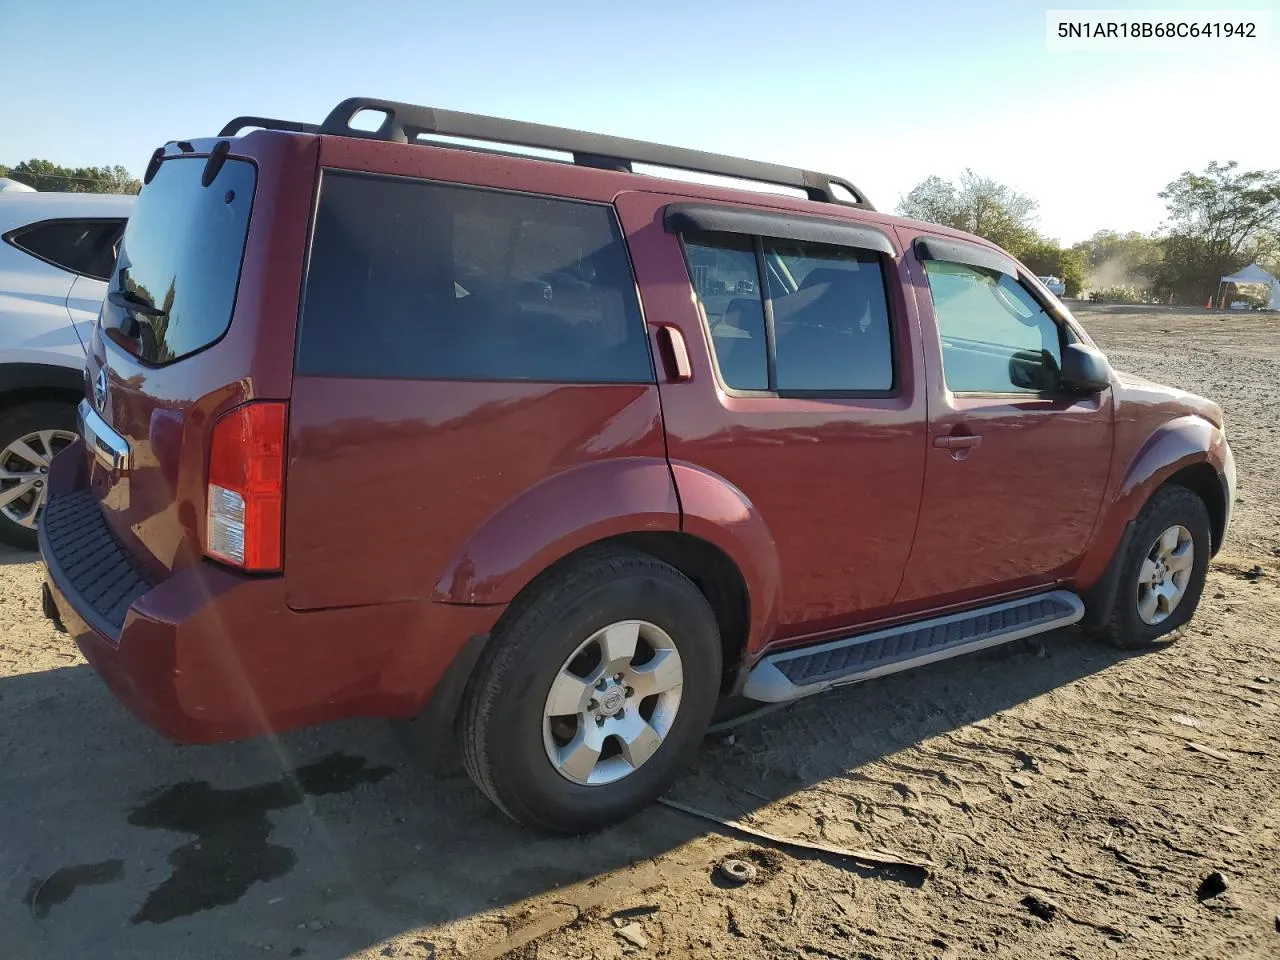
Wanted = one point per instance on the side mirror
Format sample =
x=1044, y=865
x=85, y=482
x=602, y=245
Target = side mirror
x=1085, y=369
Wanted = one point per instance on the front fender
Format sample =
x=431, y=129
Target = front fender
x=718, y=512
x=1175, y=445
x=564, y=512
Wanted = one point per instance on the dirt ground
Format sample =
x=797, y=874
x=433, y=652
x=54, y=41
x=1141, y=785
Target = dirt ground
x=1068, y=800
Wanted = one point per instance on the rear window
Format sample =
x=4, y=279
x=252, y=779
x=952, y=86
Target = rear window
x=179, y=265
x=86, y=247
x=419, y=280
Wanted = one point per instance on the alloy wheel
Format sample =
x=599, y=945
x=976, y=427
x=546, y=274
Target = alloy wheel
x=1165, y=574
x=612, y=703
x=24, y=469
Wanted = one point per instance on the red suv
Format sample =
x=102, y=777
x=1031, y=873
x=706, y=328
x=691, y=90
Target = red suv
x=563, y=455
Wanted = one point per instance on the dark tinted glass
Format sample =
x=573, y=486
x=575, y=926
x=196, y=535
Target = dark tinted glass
x=423, y=280
x=995, y=337
x=81, y=246
x=831, y=318
x=181, y=256
x=723, y=267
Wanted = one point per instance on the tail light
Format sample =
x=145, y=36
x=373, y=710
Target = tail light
x=245, y=518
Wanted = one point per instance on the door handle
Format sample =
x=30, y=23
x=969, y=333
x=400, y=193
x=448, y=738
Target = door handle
x=957, y=442
x=675, y=355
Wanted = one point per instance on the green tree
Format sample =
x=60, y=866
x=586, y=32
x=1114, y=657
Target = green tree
x=978, y=205
x=44, y=175
x=1073, y=272
x=998, y=213
x=1113, y=259
x=1045, y=257
x=1218, y=221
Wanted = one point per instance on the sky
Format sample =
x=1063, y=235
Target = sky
x=883, y=94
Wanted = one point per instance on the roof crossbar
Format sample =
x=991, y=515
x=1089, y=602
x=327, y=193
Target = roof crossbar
x=406, y=123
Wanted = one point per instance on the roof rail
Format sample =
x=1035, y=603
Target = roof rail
x=405, y=123
x=233, y=128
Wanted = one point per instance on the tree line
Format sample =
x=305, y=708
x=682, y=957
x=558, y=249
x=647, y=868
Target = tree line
x=44, y=175
x=1218, y=220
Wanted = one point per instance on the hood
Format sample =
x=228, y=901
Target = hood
x=1131, y=388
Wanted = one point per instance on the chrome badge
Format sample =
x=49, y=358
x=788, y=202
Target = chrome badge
x=100, y=389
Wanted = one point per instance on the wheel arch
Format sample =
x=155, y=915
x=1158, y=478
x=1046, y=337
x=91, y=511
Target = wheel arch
x=39, y=382
x=1206, y=483
x=710, y=532
x=715, y=574
x=1188, y=451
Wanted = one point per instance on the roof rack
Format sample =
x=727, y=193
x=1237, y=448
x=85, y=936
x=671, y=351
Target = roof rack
x=233, y=128
x=405, y=123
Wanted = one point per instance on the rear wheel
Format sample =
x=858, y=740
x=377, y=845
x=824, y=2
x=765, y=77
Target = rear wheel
x=1163, y=573
x=594, y=694
x=30, y=436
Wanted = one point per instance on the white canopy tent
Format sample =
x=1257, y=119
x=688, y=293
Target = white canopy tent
x=14, y=186
x=1255, y=274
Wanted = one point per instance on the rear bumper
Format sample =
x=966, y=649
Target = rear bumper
x=207, y=654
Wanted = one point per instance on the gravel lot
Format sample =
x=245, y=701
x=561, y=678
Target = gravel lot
x=1069, y=800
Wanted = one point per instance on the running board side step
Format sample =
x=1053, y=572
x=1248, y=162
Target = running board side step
x=807, y=670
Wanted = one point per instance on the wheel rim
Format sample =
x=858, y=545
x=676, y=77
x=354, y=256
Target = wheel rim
x=1165, y=574
x=612, y=703
x=24, y=469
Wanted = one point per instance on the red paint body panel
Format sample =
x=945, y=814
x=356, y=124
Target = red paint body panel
x=1156, y=436
x=211, y=655
x=429, y=465
x=416, y=510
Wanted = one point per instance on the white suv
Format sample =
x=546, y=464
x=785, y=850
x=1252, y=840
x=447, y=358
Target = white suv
x=58, y=250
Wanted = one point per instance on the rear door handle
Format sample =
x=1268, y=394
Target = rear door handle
x=954, y=442
x=675, y=355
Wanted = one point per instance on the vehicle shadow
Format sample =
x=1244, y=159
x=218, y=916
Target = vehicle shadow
x=332, y=840
x=10, y=556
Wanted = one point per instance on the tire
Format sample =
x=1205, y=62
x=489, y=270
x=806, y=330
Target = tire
x=1171, y=507
x=57, y=421
x=505, y=737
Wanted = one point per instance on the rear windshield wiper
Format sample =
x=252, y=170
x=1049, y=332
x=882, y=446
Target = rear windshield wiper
x=130, y=302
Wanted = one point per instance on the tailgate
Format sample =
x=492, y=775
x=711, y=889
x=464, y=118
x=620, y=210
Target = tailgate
x=185, y=334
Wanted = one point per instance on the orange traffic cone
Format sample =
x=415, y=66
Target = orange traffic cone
x=1208, y=304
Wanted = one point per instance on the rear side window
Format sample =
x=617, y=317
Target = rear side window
x=419, y=280
x=86, y=247
x=996, y=338
x=819, y=324
x=180, y=259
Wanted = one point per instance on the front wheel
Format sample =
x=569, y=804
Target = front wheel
x=1163, y=573
x=594, y=693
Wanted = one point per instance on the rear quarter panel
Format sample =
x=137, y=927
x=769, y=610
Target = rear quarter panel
x=461, y=491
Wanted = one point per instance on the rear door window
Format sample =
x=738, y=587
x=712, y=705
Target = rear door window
x=179, y=264
x=86, y=247
x=723, y=267
x=831, y=317
x=831, y=332
x=416, y=280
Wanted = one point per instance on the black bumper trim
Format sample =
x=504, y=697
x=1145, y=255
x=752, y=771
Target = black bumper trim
x=92, y=569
